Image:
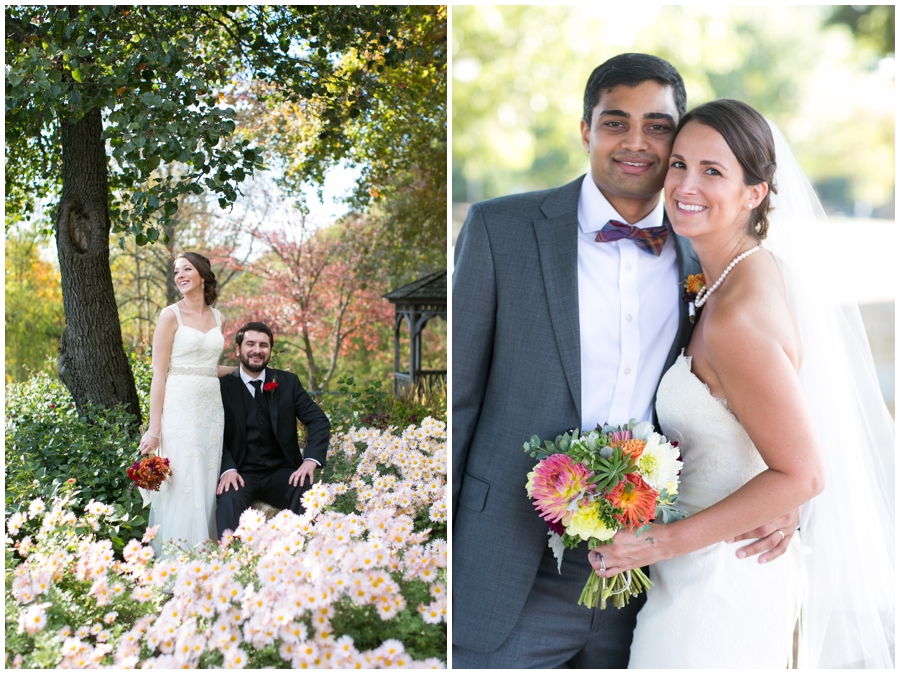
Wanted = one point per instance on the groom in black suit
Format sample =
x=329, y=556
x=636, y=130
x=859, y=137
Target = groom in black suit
x=261, y=457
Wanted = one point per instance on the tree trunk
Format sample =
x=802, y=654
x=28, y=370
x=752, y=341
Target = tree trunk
x=92, y=360
x=311, y=383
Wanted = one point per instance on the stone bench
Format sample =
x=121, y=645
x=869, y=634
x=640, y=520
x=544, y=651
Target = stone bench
x=268, y=511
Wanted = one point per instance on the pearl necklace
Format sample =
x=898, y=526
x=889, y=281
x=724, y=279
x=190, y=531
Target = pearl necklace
x=704, y=294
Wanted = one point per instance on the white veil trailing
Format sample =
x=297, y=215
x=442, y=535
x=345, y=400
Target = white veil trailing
x=848, y=609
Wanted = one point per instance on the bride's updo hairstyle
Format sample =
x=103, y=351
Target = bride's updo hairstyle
x=750, y=139
x=203, y=267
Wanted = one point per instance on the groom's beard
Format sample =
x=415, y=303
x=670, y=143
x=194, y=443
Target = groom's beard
x=249, y=367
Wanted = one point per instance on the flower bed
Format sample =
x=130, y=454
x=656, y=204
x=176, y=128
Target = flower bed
x=359, y=580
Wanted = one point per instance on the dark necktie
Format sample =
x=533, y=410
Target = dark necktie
x=257, y=392
x=651, y=239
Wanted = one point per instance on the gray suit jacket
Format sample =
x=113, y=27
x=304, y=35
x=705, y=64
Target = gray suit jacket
x=516, y=373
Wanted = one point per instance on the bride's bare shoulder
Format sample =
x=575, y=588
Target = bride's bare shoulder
x=753, y=317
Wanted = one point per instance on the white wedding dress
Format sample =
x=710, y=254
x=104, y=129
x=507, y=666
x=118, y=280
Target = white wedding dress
x=193, y=425
x=709, y=609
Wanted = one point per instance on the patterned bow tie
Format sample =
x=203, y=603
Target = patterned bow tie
x=651, y=239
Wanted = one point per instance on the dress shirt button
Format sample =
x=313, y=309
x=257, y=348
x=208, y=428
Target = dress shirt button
x=627, y=267
x=627, y=370
x=628, y=317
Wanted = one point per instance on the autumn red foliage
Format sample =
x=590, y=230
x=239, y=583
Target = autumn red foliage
x=319, y=294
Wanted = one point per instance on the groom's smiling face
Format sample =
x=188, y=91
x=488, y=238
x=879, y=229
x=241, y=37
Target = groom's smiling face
x=254, y=351
x=629, y=140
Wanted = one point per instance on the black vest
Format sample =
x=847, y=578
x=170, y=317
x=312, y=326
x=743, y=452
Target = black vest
x=262, y=451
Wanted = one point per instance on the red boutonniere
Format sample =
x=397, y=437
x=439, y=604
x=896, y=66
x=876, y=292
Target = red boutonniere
x=269, y=387
x=693, y=284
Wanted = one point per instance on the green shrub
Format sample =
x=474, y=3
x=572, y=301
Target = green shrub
x=142, y=369
x=371, y=405
x=49, y=443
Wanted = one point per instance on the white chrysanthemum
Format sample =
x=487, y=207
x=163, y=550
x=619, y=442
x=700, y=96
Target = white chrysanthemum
x=659, y=464
x=15, y=523
x=34, y=619
x=36, y=508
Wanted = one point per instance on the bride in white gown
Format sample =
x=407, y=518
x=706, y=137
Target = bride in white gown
x=186, y=417
x=772, y=406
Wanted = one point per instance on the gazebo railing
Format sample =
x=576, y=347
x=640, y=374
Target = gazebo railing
x=403, y=381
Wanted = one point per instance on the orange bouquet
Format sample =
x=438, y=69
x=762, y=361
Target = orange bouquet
x=150, y=472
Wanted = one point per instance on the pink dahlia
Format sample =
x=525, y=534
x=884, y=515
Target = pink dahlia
x=557, y=482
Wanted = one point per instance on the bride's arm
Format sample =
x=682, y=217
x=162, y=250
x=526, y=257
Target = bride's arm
x=748, y=352
x=225, y=370
x=163, y=336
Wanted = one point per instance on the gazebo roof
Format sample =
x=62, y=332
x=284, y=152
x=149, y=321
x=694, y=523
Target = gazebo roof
x=431, y=289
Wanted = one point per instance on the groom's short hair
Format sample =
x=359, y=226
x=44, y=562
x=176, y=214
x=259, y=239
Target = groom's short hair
x=254, y=326
x=631, y=70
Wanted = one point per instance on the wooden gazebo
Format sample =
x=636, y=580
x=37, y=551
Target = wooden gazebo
x=417, y=303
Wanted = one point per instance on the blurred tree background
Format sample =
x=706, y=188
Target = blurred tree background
x=380, y=116
x=825, y=74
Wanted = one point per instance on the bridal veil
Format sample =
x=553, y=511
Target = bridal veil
x=848, y=530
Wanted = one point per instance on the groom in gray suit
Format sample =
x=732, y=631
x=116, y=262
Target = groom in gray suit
x=567, y=310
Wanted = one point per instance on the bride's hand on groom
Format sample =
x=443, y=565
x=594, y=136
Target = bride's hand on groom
x=768, y=538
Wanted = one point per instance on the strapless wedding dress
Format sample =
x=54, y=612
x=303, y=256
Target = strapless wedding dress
x=709, y=609
x=193, y=424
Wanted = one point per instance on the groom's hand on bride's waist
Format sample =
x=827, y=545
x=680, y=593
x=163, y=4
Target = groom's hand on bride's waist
x=772, y=538
x=229, y=479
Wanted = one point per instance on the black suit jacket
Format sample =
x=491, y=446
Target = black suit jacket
x=287, y=403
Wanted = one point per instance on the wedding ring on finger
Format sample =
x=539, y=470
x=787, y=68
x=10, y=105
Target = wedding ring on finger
x=602, y=561
x=779, y=531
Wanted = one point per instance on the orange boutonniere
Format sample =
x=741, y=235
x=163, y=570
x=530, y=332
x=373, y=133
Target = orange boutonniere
x=693, y=284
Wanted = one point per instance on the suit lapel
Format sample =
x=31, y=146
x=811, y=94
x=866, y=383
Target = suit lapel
x=687, y=264
x=237, y=402
x=273, y=403
x=557, y=240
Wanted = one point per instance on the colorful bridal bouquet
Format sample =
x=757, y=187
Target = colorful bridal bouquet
x=588, y=487
x=149, y=472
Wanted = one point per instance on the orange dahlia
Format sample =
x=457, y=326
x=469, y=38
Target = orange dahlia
x=637, y=500
x=558, y=481
x=632, y=447
x=694, y=283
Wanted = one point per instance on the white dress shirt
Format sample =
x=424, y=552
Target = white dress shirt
x=628, y=312
x=248, y=380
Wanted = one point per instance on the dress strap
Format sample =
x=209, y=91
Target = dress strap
x=218, y=315
x=174, y=308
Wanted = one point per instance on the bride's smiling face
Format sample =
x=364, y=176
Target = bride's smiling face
x=186, y=276
x=705, y=190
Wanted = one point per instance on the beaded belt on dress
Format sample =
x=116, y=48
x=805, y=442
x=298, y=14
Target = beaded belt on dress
x=195, y=371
